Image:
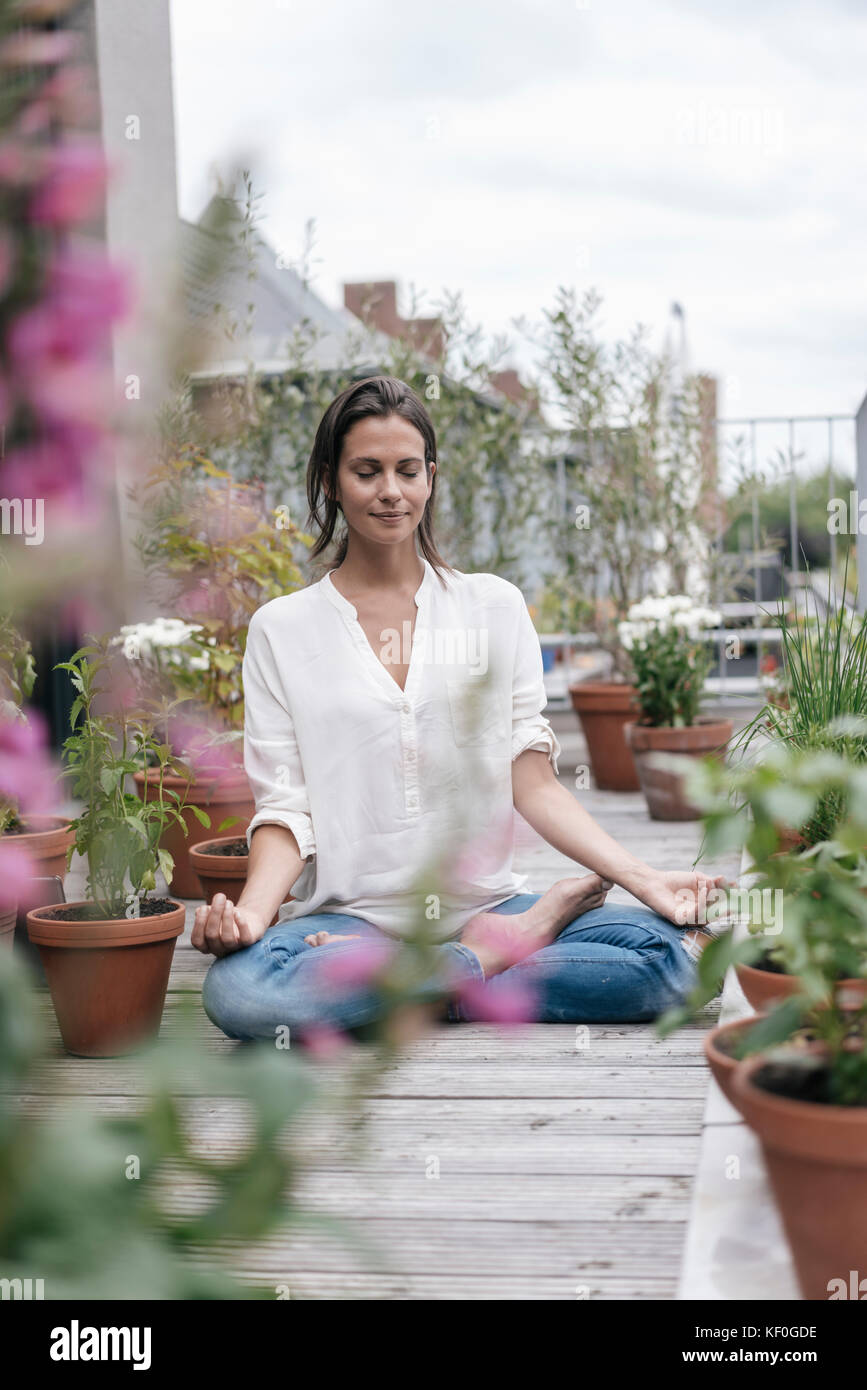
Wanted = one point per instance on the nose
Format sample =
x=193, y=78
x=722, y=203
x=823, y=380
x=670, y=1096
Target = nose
x=389, y=491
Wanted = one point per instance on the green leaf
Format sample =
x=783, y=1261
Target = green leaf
x=167, y=864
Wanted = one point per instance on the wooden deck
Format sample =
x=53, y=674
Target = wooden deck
x=563, y=1173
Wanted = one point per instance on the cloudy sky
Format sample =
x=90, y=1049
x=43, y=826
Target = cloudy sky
x=706, y=151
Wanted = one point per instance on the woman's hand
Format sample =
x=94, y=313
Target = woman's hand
x=681, y=895
x=222, y=927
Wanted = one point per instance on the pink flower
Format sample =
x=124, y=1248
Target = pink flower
x=323, y=1041
x=510, y=1002
x=27, y=777
x=7, y=259
x=203, y=601
x=355, y=965
x=32, y=49
x=89, y=288
x=84, y=294
x=73, y=186
x=216, y=762
x=16, y=870
x=71, y=91
x=483, y=852
x=71, y=392
x=47, y=468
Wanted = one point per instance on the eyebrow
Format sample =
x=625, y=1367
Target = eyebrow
x=363, y=458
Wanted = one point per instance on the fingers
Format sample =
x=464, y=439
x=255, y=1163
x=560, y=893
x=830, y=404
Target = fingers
x=214, y=931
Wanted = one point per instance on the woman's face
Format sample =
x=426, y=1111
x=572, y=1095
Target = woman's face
x=382, y=484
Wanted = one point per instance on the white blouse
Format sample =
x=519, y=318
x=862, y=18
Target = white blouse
x=401, y=801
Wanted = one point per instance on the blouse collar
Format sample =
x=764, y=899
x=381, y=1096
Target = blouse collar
x=339, y=601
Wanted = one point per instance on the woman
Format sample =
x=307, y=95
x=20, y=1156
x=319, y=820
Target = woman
x=363, y=736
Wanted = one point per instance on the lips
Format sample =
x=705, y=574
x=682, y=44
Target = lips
x=389, y=516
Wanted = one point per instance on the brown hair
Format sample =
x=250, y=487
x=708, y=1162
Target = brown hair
x=375, y=395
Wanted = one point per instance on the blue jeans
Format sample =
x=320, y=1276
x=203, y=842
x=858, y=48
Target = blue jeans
x=614, y=964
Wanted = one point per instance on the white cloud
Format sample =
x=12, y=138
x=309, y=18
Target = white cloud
x=689, y=150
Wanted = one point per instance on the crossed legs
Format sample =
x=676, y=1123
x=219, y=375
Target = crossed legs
x=577, y=958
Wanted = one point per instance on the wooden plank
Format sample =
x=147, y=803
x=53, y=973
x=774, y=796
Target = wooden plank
x=409, y=1194
x=472, y=1133
x=307, y=1285
x=411, y=1080
x=570, y=1250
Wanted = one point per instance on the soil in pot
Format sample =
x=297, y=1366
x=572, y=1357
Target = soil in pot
x=604, y=707
x=663, y=789
x=107, y=976
x=220, y=798
x=816, y=1157
x=221, y=866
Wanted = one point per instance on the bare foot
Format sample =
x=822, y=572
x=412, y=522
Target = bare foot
x=321, y=938
x=500, y=940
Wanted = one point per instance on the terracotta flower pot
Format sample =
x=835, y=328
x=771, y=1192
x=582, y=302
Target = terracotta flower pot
x=222, y=873
x=108, y=978
x=221, y=797
x=7, y=926
x=46, y=840
x=717, y=1052
x=816, y=1157
x=766, y=988
x=662, y=788
x=604, y=707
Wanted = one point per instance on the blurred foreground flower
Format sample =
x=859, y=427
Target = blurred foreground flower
x=27, y=777
x=506, y=1002
x=16, y=870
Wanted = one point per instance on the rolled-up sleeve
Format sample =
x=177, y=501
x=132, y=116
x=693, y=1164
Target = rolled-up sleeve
x=530, y=728
x=271, y=758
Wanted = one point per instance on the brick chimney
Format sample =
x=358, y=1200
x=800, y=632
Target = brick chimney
x=375, y=303
x=509, y=383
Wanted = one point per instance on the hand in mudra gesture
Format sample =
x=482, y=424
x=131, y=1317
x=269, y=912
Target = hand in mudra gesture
x=683, y=895
x=221, y=927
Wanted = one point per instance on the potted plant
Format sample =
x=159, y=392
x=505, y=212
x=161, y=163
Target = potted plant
x=221, y=866
x=671, y=661
x=818, y=887
x=28, y=786
x=214, y=554
x=824, y=664
x=803, y=1089
x=107, y=958
x=167, y=657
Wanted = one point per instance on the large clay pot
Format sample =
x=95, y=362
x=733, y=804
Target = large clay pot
x=719, y=1057
x=108, y=978
x=223, y=873
x=816, y=1157
x=222, y=796
x=604, y=707
x=662, y=787
x=7, y=926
